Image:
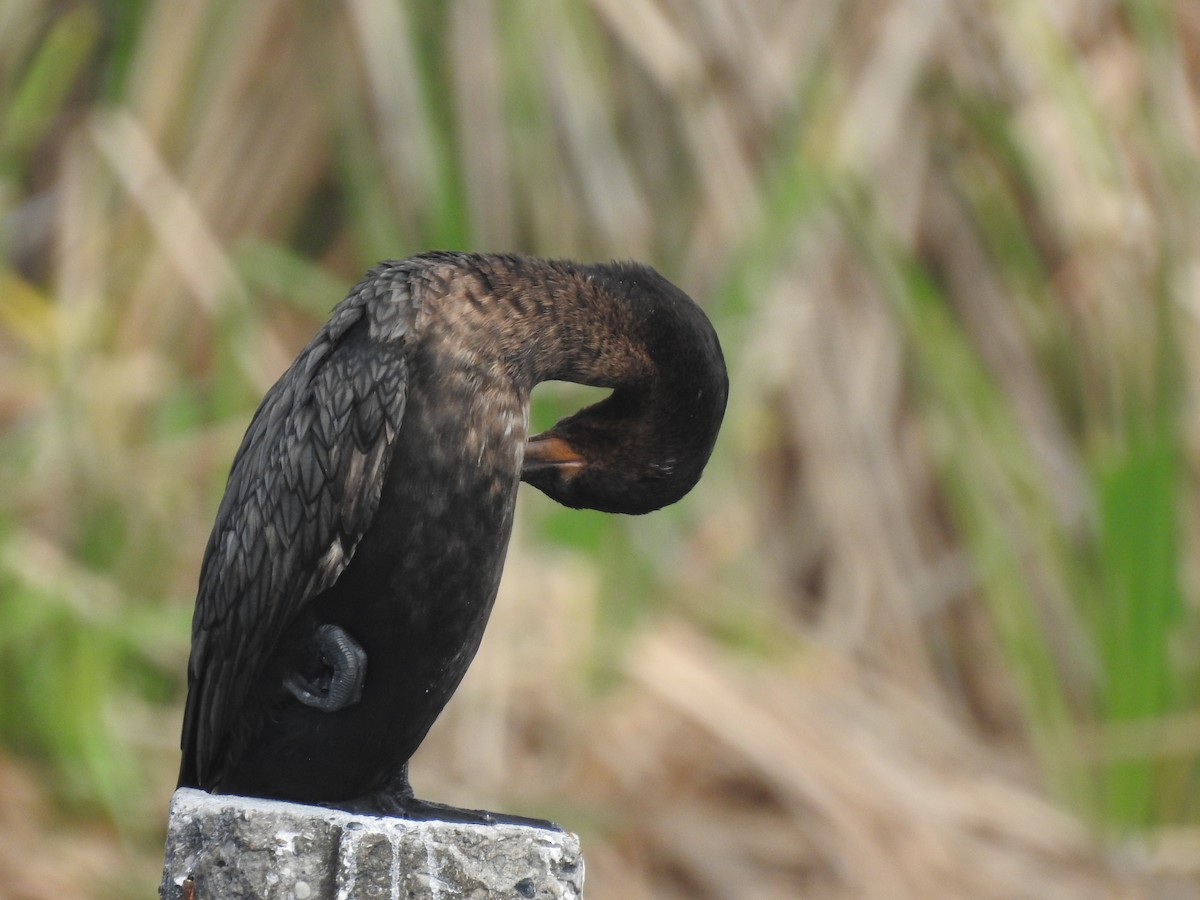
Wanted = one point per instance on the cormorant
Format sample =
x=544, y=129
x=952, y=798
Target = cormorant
x=359, y=544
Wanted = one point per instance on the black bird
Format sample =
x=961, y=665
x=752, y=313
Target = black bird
x=358, y=547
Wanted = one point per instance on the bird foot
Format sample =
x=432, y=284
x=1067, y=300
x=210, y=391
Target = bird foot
x=397, y=800
x=426, y=810
x=340, y=684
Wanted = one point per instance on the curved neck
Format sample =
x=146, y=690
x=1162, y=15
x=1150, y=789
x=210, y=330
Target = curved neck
x=617, y=325
x=562, y=321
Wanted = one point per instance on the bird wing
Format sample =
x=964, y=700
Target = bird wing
x=303, y=488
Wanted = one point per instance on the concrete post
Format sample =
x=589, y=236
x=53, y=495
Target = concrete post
x=239, y=847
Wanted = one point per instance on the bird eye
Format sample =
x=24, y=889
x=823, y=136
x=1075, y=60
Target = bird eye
x=663, y=468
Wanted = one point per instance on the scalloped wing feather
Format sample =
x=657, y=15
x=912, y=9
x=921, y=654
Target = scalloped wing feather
x=303, y=489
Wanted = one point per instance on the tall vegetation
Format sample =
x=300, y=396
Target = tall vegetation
x=927, y=627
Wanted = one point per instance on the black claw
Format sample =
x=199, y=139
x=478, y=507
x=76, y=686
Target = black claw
x=341, y=685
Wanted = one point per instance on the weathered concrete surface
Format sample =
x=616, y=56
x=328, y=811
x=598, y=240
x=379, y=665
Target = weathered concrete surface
x=241, y=847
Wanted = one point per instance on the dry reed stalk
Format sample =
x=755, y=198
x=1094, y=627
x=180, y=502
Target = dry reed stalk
x=801, y=152
x=845, y=783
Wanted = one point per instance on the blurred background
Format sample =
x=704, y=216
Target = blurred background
x=929, y=625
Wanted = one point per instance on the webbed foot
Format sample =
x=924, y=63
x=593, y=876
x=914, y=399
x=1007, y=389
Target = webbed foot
x=396, y=799
x=340, y=684
x=426, y=810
